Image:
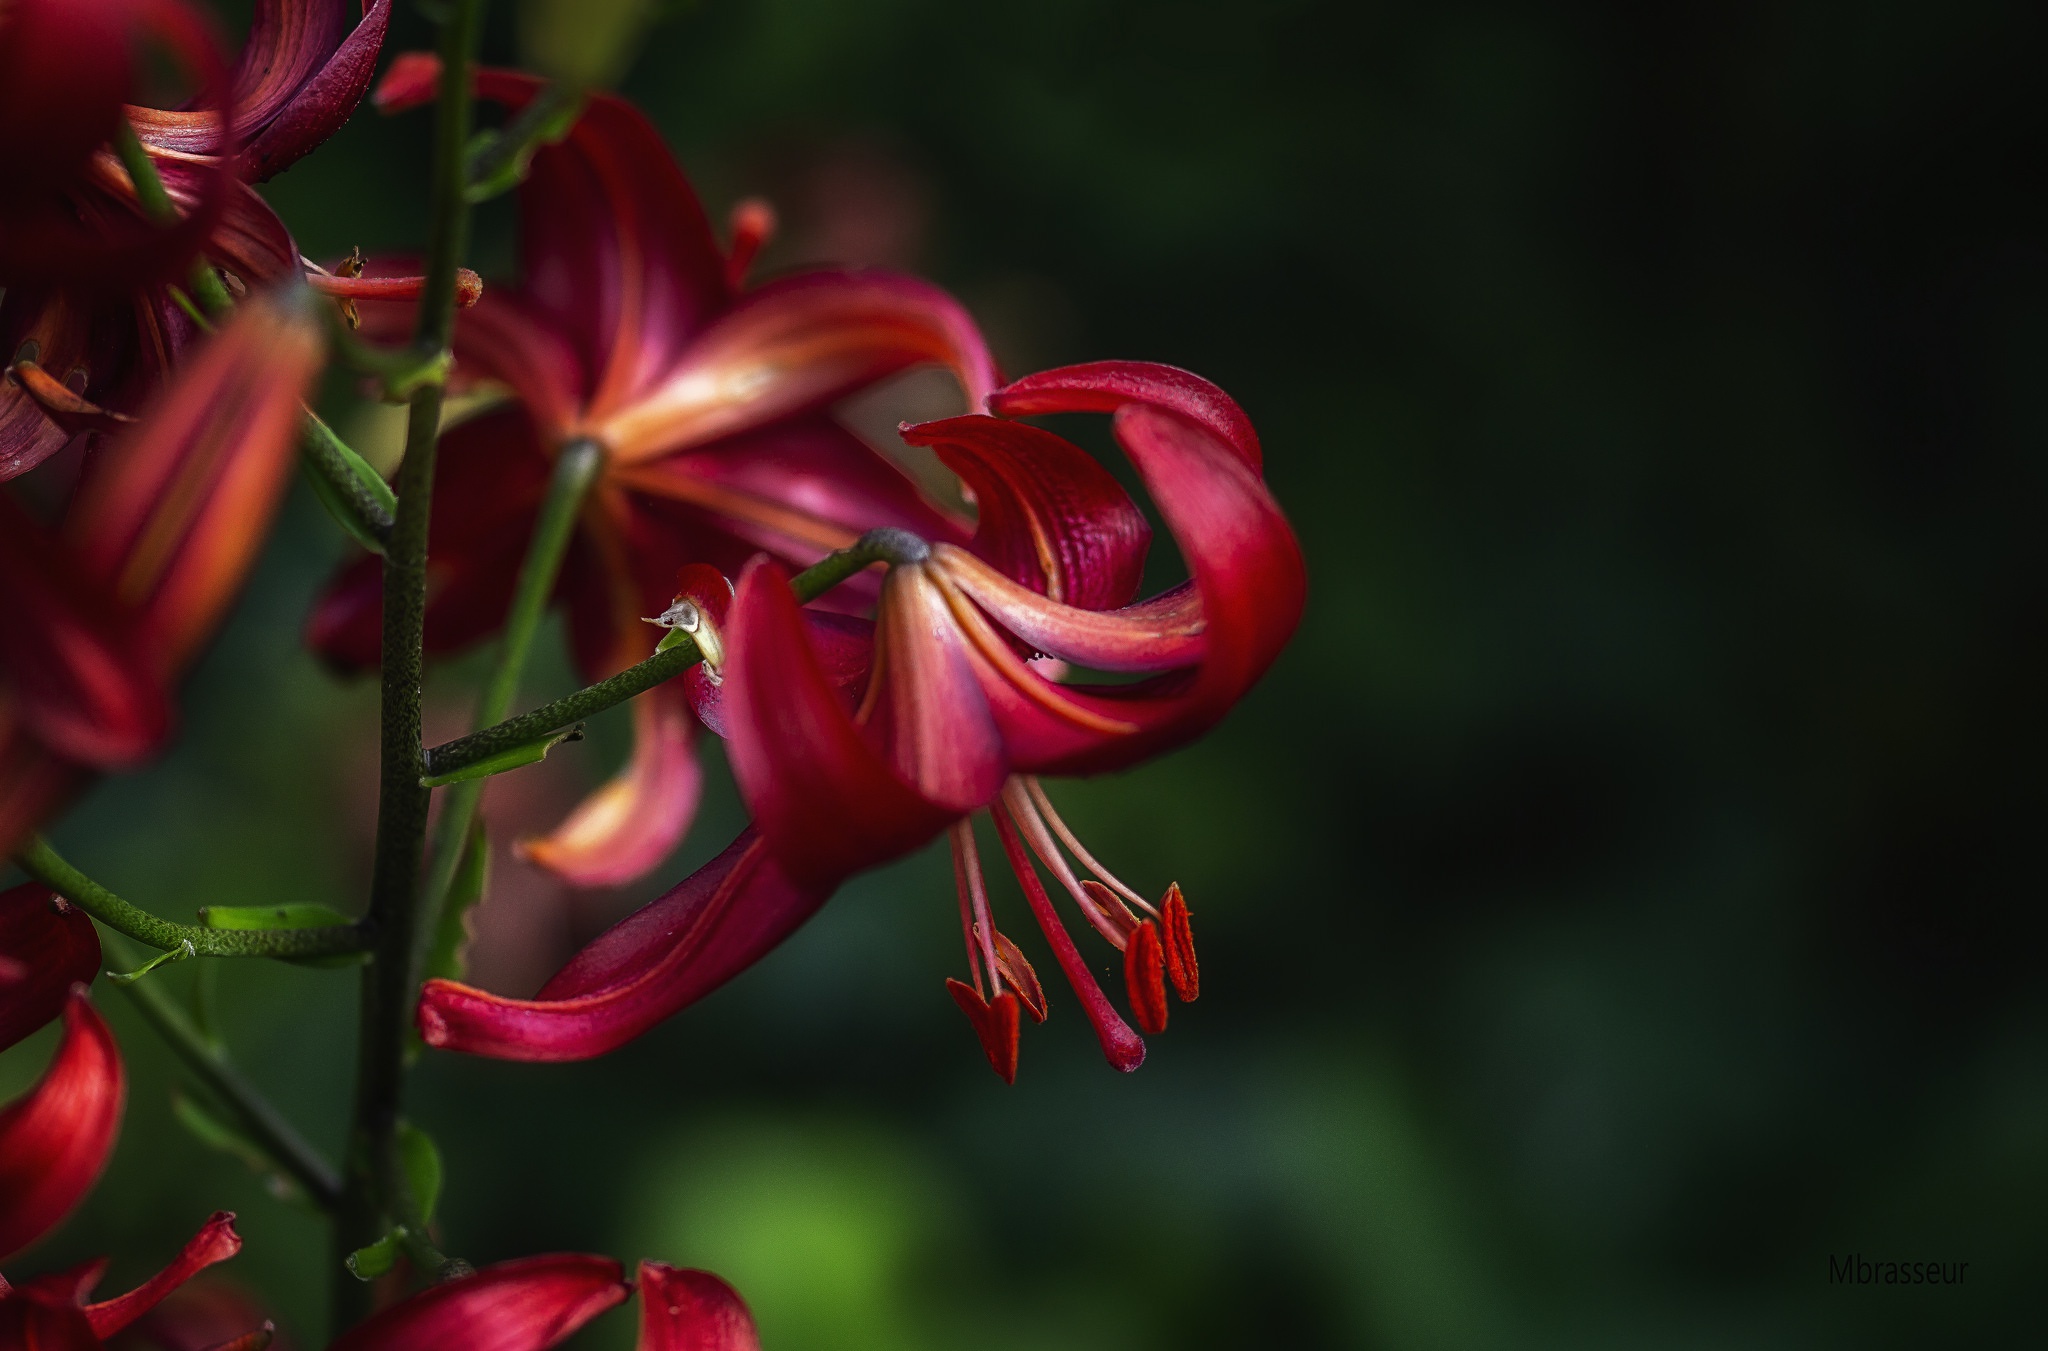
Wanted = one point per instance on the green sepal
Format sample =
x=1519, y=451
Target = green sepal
x=518, y=757
x=292, y=915
x=421, y=1160
x=368, y=1263
x=674, y=638
x=347, y=485
x=216, y=1134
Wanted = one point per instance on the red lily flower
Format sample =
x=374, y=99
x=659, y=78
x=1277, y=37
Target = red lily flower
x=954, y=719
x=52, y=1311
x=86, y=341
x=101, y=609
x=692, y=1311
x=630, y=329
x=47, y=945
x=57, y=1137
x=524, y=1305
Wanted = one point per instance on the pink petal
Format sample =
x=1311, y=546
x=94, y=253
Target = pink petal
x=627, y=827
x=216, y=1241
x=525, y=1305
x=843, y=645
x=77, y=667
x=668, y=954
x=1160, y=634
x=170, y=515
x=793, y=345
x=55, y=1139
x=49, y=945
x=1105, y=386
x=692, y=1311
x=1051, y=517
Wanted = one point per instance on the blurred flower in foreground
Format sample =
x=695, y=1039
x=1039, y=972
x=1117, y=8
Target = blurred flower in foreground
x=101, y=610
x=630, y=329
x=536, y=1302
x=89, y=326
x=960, y=712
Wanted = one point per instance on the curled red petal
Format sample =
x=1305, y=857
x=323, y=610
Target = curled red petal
x=845, y=648
x=73, y=662
x=1161, y=634
x=713, y=925
x=48, y=945
x=995, y=1024
x=1052, y=518
x=793, y=345
x=216, y=1241
x=172, y=513
x=55, y=1139
x=683, y=1310
x=1105, y=386
x=629, y=825
x=525, y=1305
x=829, y=802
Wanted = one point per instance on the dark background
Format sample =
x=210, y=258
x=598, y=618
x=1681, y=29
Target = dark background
x=1624, y=894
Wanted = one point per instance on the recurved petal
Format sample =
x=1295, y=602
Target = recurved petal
x=216, y=1241
x=1160, y=634
x=827, y=800
x=1052, y=517
x=76, y=666
x=55, y=1139
x=630, y=824
x=796, y=344
x=47, y=945
x=1105, y=386
x=525, y=1305
x=720, y=920
x=692, y=1311
x=171, y=514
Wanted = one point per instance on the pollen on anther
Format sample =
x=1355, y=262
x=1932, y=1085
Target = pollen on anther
x=1181, y=967
x=1145, y=978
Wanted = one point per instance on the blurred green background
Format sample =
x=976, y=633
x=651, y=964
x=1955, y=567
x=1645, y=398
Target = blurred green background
x=1624, y=894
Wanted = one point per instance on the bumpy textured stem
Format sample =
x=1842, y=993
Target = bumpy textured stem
x=47, y=866
x=877, y=546
x=394, y=913
x=576, y=468
x=262, y=1122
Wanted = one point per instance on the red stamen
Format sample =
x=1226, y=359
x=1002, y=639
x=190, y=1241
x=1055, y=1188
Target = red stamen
x=1019, y=976
x=996, y=1024
x=1145, y=979
x=1181, y=968
x=753, y=224
x=1124, y=1049
x=1112, y=907
x=469, y=287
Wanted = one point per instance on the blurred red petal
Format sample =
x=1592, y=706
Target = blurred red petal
x=216, y=1241
x=54, y=1140
x=692, y=1311
x=628, y=826
x=53, y=945
x=524, y=1305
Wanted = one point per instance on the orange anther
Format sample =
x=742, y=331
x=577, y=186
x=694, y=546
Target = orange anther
x=995, y=1022
x=1145, y=978
x=1181, y=968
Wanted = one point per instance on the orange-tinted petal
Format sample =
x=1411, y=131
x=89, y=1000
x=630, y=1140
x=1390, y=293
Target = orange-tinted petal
x=630, y=824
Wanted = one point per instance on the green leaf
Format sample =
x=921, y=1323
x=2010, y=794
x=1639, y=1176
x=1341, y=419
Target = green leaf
x=293, y=915
x=216, y=1134
x=367, y=1264
x=518, y=757
x=421, y=1160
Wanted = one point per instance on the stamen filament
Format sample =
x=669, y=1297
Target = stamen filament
x=1059, y=827
x=975, y=925
x=1048, y=853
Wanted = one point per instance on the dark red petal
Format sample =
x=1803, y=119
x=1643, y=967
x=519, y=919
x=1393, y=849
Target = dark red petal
x=61, y=327
x=996, y=1024
x=628, y=826
x=47, y=945
x=34, y=783
x=824, y=799
x=1052, y=518
x=1123, y=1048
x=1181, y=967
x=170, y=515
x=845, y=647
x=793, y=346
x=216, y=1241
x=720, y=920
x=65, y=68
x=692, y=1311
x=32, y=1324
x=1145, y=978
x=1105, y=386
x=55, y=1139
x=76, y=666
x=525, y=1305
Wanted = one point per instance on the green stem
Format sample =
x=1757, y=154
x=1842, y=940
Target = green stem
x=877, y=546
x=576, y=468
x=372, y=1169
x=207, y=286
x=264, y=1123
x=47, y=866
